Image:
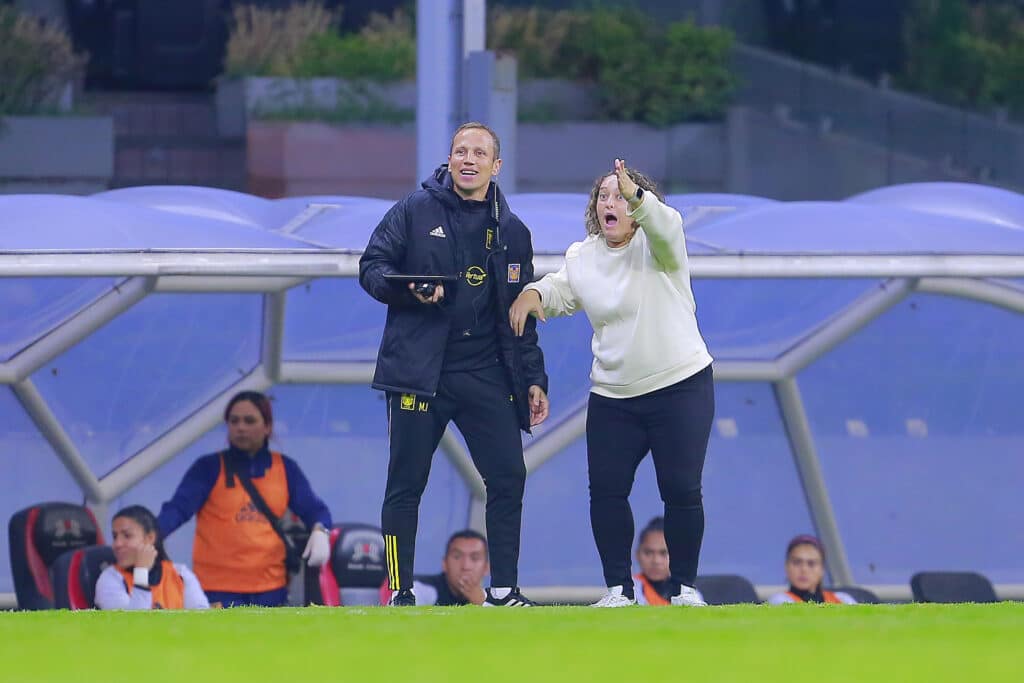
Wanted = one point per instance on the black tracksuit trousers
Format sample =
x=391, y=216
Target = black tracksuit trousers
x=480, y=403
x=674, y=424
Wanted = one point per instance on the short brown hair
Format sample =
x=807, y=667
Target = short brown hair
x=476, y=124
x=590, y=221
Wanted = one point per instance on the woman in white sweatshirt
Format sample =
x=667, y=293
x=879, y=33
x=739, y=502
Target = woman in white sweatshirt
x=652, y=387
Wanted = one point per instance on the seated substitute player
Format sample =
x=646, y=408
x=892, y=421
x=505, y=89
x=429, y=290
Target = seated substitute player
x=653, y=585
x=143, y=577
x=805, y=569
x=462, y=574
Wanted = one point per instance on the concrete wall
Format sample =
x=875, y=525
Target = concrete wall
x=287, y=159
x=752, y=153
x=789, y=160
x=983, y=148
x=67, y=154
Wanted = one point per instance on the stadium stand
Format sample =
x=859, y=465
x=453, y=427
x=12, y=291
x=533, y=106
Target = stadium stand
x=38, y=535
x=952, y=587
x=74, y=576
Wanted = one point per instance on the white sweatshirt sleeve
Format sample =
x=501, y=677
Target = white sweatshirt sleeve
x=663, y=226
x=556, y=295
x=111, y=592
x=195, y=596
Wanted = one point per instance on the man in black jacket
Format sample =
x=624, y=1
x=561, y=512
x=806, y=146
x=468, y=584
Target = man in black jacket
x=449, y=354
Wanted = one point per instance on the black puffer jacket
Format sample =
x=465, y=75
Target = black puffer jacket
x=412, y=349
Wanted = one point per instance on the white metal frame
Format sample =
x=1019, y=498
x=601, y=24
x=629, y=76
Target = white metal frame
x=273, y=272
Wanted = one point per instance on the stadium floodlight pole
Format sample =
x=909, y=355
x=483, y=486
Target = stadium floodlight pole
x=52, y=430
x=438, y=80
x=805, y=456
x=76, y=328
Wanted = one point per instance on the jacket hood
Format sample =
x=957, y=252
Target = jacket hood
x=439, y=184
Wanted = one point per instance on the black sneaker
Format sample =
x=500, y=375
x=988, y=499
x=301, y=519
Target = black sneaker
x=402, y=598
x=513, y=599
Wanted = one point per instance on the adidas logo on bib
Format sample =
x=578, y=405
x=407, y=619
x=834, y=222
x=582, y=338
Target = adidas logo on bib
x=437, y=232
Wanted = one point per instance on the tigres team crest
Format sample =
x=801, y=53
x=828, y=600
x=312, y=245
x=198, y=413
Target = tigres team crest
x=513, y=273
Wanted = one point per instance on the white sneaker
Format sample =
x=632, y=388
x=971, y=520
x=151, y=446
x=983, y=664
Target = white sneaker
x=614, y=598
x=689, y=597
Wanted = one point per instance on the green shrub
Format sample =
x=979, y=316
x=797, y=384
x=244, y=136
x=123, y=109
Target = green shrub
x=693, y=80
x=269, y=42
x=36, y=62
x=967, y=56
x=539, y=38
x=385, y=50
x=643, y=71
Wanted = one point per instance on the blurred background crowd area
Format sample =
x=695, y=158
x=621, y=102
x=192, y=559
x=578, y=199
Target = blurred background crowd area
x=215, y=92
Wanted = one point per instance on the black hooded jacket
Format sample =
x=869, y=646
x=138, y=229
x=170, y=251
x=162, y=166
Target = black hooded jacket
x=415, y=335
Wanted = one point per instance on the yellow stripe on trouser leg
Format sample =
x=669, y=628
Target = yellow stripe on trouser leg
x=387, y=560
x=393, y=563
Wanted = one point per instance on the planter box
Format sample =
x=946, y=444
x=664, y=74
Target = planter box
x=67, y=154
x=241, y=100
x=307, y=158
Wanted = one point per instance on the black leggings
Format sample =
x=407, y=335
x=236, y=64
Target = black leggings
x=674, y=424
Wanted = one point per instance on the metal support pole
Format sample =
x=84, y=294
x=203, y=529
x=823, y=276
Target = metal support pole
x=805, y=456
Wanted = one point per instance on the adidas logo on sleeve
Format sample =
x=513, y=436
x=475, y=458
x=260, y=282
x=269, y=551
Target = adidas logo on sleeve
x=438, y=232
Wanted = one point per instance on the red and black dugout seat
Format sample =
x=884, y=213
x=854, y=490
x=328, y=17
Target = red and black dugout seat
x=37, y=536
x=74, y=576
x=356, y=568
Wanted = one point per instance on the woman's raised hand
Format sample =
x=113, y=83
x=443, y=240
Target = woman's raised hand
x=627, y=188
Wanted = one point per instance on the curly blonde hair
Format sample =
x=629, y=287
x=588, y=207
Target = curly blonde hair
x=590, y=221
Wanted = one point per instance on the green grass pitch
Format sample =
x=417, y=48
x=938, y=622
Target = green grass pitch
x=566, y=644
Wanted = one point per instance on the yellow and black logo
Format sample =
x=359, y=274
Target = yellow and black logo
x=423, y=406
x=489, y=239
x=408, y=402
x=475, y=276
